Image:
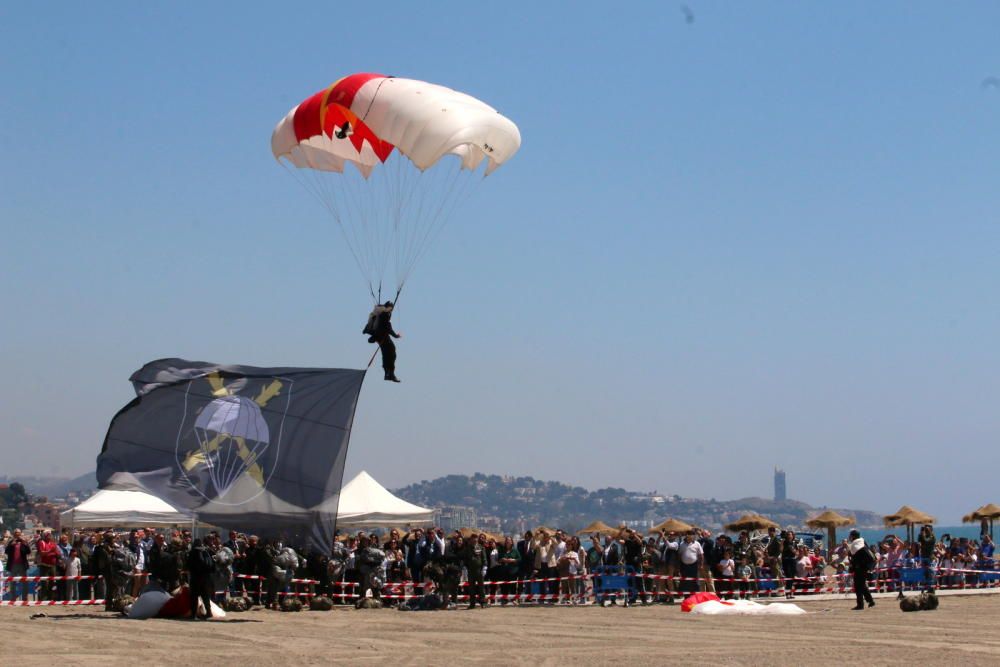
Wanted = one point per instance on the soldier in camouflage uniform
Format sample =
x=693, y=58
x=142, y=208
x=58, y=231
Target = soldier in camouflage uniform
x=102, y=566
x=369, y=559
x=450, y=564
x=474, y=558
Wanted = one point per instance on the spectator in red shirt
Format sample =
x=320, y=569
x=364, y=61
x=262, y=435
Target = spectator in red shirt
x=17, y=551
x=48, y=559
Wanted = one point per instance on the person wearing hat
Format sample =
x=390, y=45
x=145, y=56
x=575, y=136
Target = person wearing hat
x=862, y=562
x=380, y=331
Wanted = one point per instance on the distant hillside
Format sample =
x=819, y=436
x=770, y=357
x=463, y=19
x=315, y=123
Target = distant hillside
x=53, y=487
x=527, y=501
x=517, y=501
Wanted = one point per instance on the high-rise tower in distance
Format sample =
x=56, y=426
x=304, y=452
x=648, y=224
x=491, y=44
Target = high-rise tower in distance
x=780, y=492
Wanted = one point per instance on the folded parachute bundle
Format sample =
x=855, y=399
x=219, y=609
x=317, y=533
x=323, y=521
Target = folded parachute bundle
x=156, y=602
x=149, y=603
x=709, y=604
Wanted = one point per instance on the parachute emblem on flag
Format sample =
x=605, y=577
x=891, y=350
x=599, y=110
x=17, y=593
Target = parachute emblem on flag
x=229, y=452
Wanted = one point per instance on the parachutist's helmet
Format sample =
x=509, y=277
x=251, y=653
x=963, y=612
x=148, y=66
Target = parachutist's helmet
x=387, y=304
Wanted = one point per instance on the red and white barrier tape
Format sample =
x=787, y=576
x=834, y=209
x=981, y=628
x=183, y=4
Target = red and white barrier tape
x=37, y=579
x=49, y=603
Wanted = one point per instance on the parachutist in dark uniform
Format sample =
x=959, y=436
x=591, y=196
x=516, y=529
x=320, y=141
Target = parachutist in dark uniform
x=862, y=562
x=380, y=331
x=201, y=568
x=475, y=558
x=104, y=565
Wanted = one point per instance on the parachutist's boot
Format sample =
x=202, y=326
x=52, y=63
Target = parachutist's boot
x=394, y=378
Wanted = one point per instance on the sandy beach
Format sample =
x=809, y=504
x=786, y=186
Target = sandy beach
x=962, y=629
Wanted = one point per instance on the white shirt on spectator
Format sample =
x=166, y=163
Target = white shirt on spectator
x=690, y=552
x=573, y=561
x=558, y=552
x=73, y=567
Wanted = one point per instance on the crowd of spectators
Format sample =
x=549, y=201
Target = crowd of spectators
x=545, y=565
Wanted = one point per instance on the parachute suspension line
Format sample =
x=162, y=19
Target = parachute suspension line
x=423, y=185
x=394, y=215
x=442, y=213
x=411, y=206
x=339, y=203
x=402, y=193
x=345, y=193
x=390, y=177
x=452, y=197
x=316, y=190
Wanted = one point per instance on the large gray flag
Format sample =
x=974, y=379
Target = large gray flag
x=260, y=450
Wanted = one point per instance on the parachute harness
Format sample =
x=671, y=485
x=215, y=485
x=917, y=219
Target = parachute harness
x=394, y=302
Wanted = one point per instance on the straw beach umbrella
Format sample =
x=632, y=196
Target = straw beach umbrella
x=750, y=521
x=907, y=516
x=598, y=527
x=671, y=526
x=985, y=515
x=831, y=521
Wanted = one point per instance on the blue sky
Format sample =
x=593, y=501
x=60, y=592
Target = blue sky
x=769, y=237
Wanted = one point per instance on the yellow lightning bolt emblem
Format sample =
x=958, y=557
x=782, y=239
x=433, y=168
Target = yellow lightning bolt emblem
x=268, y=392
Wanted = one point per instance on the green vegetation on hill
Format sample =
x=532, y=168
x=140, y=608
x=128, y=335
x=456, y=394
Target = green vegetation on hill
x=529, y=501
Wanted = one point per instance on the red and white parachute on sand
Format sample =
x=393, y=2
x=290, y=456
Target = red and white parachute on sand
x=390, y=158
x=710, y=605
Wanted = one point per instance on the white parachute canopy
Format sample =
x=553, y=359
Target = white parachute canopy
x=391, y=159
x=746, y=608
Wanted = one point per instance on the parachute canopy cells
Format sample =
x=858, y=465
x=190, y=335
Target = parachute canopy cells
x=409, y=142
x=422, y=120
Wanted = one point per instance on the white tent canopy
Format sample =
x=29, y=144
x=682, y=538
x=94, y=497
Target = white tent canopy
x=113, y=509
x=366, y=503
x=363, y=503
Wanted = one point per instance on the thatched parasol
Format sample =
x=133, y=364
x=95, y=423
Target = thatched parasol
x=985, y=515
x=907, y=516
x=750, y=521
x=831, y=521
x=671, y=526
x=598, y=527
x=468, y=533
